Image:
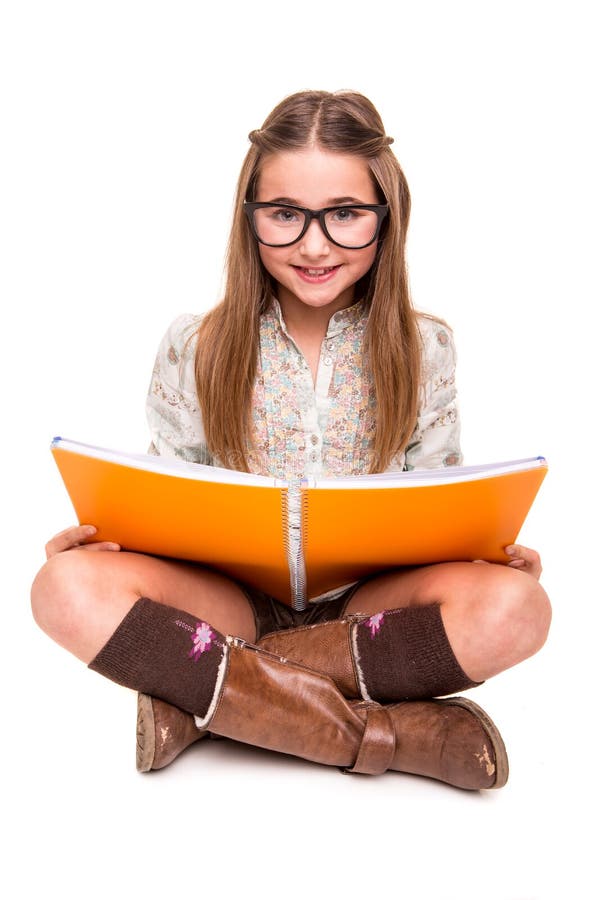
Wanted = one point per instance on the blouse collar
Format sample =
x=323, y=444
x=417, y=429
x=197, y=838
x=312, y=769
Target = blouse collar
x=339, y=321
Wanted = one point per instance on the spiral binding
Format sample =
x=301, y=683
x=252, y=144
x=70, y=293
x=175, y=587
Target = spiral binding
x=294, y=511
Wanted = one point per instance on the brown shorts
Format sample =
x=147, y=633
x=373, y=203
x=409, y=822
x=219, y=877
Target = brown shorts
x=273, y=615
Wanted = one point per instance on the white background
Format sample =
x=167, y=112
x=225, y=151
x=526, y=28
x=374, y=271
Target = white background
x=123, y=128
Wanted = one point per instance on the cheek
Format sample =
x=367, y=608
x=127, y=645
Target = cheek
x=366, y=259
x=270, y=258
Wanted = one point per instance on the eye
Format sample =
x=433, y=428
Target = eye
x=284, y=216
x=344, y=214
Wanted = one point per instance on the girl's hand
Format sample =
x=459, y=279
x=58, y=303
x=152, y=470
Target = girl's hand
x=522, y=558
x=525, y=559
x=77, y=536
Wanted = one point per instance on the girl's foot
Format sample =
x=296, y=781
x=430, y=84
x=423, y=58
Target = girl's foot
x=163, y=732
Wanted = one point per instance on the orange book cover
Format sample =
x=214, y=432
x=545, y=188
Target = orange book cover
x=301, y=539
x=351, y=532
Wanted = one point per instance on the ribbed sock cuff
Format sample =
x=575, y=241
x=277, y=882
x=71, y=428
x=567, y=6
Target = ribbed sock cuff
x=166, y=653
x=405, y=654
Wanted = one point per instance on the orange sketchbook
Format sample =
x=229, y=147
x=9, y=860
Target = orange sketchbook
x=298, y=540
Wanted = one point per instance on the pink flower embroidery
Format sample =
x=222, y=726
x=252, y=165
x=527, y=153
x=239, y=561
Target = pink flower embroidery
x=374, y=623
x=202, y=639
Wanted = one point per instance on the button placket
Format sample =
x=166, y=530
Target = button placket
x=321, y=404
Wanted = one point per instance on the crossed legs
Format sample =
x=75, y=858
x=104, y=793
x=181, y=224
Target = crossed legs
x=494, y=616
x=485, y=618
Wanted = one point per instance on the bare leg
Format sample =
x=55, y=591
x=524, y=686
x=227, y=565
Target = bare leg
x=494, y=616
x=79, y=597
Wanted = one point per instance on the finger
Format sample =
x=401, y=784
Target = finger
x=101, y=545
x=524, y=558
x=518, y=550
x=70, y=537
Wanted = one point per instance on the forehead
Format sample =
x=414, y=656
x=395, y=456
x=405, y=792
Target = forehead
x=315, y=177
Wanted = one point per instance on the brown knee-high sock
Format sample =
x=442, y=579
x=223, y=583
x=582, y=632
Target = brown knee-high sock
x=405, y=654
x=167, y=653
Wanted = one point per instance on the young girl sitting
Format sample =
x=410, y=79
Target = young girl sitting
x=314, y=363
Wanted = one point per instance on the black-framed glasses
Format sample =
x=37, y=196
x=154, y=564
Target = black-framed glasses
x=282, y=224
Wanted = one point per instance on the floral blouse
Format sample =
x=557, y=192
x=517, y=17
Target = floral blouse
x=303, y=429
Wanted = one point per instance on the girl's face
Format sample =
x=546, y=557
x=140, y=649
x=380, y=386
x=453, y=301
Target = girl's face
x=314, y=273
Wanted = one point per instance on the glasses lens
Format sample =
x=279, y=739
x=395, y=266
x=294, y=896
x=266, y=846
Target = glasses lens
x=351, y=227
x=278, y=224
x=347, y=225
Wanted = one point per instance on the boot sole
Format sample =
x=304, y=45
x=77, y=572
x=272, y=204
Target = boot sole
x=145, y=734
x=501, y=757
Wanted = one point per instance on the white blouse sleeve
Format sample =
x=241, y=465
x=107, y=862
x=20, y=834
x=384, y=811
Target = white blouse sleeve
x=436, y=439
x=172, y=408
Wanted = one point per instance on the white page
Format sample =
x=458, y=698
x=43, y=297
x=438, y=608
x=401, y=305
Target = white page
x=178, y=468
x=198, y=472
x=423, y=477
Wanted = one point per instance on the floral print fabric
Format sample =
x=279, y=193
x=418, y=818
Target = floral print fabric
x=303, y=429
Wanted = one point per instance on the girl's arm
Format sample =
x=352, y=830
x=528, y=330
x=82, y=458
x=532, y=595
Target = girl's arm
x=436, y=439
x=172, y=408
x=173, y=416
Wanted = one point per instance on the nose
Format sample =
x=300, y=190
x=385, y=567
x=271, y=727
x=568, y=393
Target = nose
x=314, y=243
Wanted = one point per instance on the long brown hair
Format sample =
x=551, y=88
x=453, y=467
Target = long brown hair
x=228, y=337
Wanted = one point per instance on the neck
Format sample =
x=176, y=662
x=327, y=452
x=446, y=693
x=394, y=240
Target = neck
x=307, y=320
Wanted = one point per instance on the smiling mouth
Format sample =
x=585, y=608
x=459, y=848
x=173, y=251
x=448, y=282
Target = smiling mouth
x=313, y=272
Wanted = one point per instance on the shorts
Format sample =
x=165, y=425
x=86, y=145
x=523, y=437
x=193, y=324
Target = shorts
x=273, y=615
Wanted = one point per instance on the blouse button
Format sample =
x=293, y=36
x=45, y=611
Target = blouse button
x=314, y=456
x=314, y=439
x=451, y=459
x=328, y=360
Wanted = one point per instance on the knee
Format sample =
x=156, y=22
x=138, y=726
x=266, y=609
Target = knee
x=58, y=596
x=542, y=613
x=523, y=612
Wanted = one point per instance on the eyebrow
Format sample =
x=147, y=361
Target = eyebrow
x=334, y=201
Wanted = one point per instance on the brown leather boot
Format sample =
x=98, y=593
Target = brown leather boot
x=163, y=732
x=397, y=654
x=271, y=702
x=325, y=647
x=451, y=740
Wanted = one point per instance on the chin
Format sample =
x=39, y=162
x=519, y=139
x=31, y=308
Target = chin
x=312, y=296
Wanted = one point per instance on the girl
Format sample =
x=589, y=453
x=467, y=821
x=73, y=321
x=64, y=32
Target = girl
x=313, y=363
